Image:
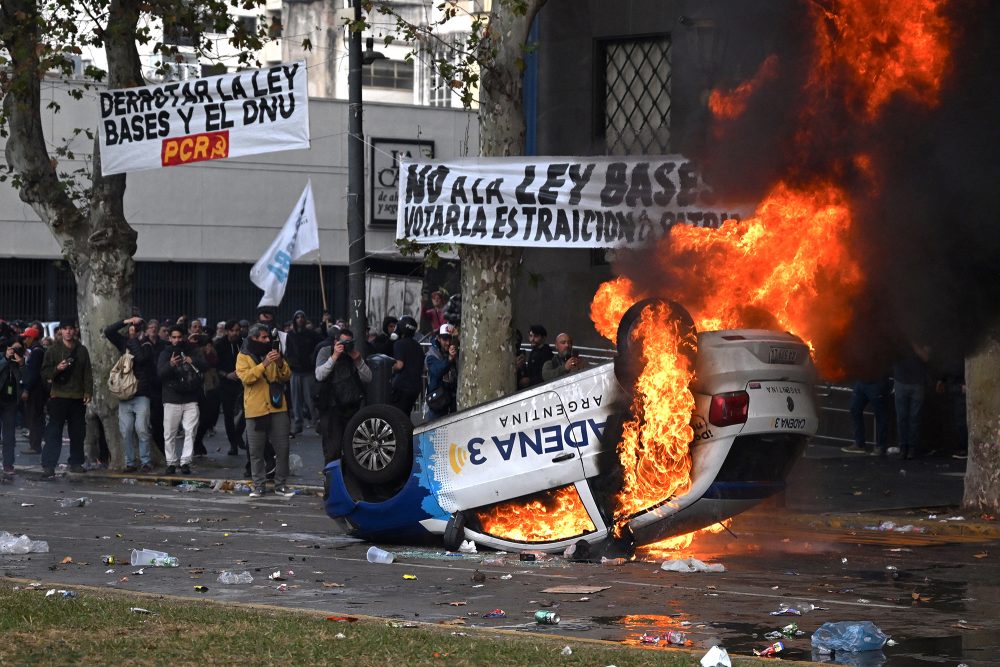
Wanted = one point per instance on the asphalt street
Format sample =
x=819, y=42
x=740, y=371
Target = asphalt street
x=935, y=593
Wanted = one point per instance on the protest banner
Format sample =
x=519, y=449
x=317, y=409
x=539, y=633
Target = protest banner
x=554, y=202
x=217, y=117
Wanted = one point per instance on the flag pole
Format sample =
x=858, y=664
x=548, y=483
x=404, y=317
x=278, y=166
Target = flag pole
x=322, y=288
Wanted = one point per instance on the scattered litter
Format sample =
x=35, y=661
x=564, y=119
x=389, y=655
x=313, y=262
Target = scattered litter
x=340, y=635
x=891, y=568
x=849, y=636
x=281, y=588
x=63, y=593
x=276, y=576
x=467, y=547
x=139, y=610
x=613, y=561
x=410, y=577
x=21, y=545
x=843, y=561
x=716, y=657
x=376, y=555
x=955, y=518
x=890, y=526
x=575, y=590
x=785, y=610
x=27, y=504
x=330, y=584
x=201, y=589
x=228, y=577
x=75, y=502
x=691, y=565
x=543, y=617
x=139, y=571
x=458, y=620
x=653, y=640
x=129, y=481
x=507, y=577
x=109, y=571
x=68, y=560
x=773, y=649
x=294, y=464
x=194, y=520
x=478, y=585
x=496, y=613
x=566, y=651
x=478, y=576
x=342, y=619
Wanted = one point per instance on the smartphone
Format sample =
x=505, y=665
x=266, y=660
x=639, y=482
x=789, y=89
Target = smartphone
x=276, y=345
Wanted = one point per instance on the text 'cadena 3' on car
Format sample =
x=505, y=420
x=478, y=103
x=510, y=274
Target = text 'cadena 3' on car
x=754, y=409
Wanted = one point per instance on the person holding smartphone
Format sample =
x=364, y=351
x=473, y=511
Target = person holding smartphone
x=67, y=367
x=566, y=359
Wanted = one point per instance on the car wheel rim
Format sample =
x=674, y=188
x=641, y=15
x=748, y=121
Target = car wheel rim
x=374, y=444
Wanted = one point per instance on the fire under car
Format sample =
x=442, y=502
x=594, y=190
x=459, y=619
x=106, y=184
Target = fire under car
x=444, y=480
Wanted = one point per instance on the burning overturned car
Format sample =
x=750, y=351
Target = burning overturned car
x=680, y=431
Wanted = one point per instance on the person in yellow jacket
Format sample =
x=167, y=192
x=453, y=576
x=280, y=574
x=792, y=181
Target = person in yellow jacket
x=264, y=372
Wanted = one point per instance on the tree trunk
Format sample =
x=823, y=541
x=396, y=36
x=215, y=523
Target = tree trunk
x=488, y=272
x=98, y=243
x=982, y=473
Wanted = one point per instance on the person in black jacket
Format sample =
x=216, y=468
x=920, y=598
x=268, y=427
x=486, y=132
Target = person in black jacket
x=408, y=378
x=530, y=370
x=133, y=414
x=230, y=388
x=299, y=345
x=180, y=368
x=34, y=393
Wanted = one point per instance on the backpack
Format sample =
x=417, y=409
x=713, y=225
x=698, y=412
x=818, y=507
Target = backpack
x=346, y=388
x=122, y=382
x=10, y=389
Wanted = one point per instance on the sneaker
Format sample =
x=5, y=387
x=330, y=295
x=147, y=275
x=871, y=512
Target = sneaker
x=77, y=469
x=284, y=491
x=131, y=468
x=8, y=471
x=893, y=450
x=48, y=474
x=146, y=469
x=854, y=449
x=171, y=470
x=257, y=493
x=185, y=469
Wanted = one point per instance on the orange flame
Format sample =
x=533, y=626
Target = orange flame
x=727, y=106
x=653, y=449
x=886, y=47
x=556, y=515
x=678, y=546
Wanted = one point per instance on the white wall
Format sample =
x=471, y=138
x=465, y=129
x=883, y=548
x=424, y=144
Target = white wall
x=230, y=210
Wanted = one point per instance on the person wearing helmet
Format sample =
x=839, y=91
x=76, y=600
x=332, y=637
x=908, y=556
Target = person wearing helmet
x=408, y=371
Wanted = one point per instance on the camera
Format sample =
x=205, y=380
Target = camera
x=348, y=346
x=69, y=361
x=276, y=345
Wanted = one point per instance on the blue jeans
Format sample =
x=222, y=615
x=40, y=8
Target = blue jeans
x=8, y=417
x=909, y=401
x=133, y=419
x=303, y=385
x=875, y=393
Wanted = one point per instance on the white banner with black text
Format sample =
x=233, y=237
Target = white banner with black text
x=554, y=202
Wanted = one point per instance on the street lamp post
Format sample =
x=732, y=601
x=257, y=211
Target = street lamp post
x=357, y=315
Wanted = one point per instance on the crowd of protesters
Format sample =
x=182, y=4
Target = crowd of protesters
x=268, y=383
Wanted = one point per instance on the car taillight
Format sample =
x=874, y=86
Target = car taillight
x=729, y=409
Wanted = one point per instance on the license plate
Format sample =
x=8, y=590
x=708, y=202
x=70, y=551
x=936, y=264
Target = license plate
x=783, y=355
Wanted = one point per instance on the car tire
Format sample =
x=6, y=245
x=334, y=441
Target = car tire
x=377, y=446
x=454, y=532
x=628, y=362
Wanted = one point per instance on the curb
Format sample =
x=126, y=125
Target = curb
x=171, y=480
x=867, y=523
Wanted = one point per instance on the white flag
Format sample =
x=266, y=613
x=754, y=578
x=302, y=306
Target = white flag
x=299, y=236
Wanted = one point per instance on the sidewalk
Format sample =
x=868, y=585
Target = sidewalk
x=827, y=489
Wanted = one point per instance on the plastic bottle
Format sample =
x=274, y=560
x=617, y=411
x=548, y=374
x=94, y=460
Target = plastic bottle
x=235, y=578
x=169, y=561
x=676, y=637
x=851, y=636
x=376, y=555
x=74, y=502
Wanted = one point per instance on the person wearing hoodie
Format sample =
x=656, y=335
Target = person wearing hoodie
x=264, y=372
x=133, y=413
x=384, y=342
x=180, y=367
x=299, y=345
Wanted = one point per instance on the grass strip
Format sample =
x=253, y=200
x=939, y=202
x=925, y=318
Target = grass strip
x=99, y=628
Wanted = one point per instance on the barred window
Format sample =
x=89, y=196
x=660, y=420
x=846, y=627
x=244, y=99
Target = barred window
x=633, y=95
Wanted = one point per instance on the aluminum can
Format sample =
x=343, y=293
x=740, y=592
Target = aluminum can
x=543, y=617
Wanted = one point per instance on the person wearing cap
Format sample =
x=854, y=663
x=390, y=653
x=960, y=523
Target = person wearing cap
x=442, y=369
x=67, y=367
x=11, y=366
x=34, y=393
x=530, y=370
x=299, y=345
